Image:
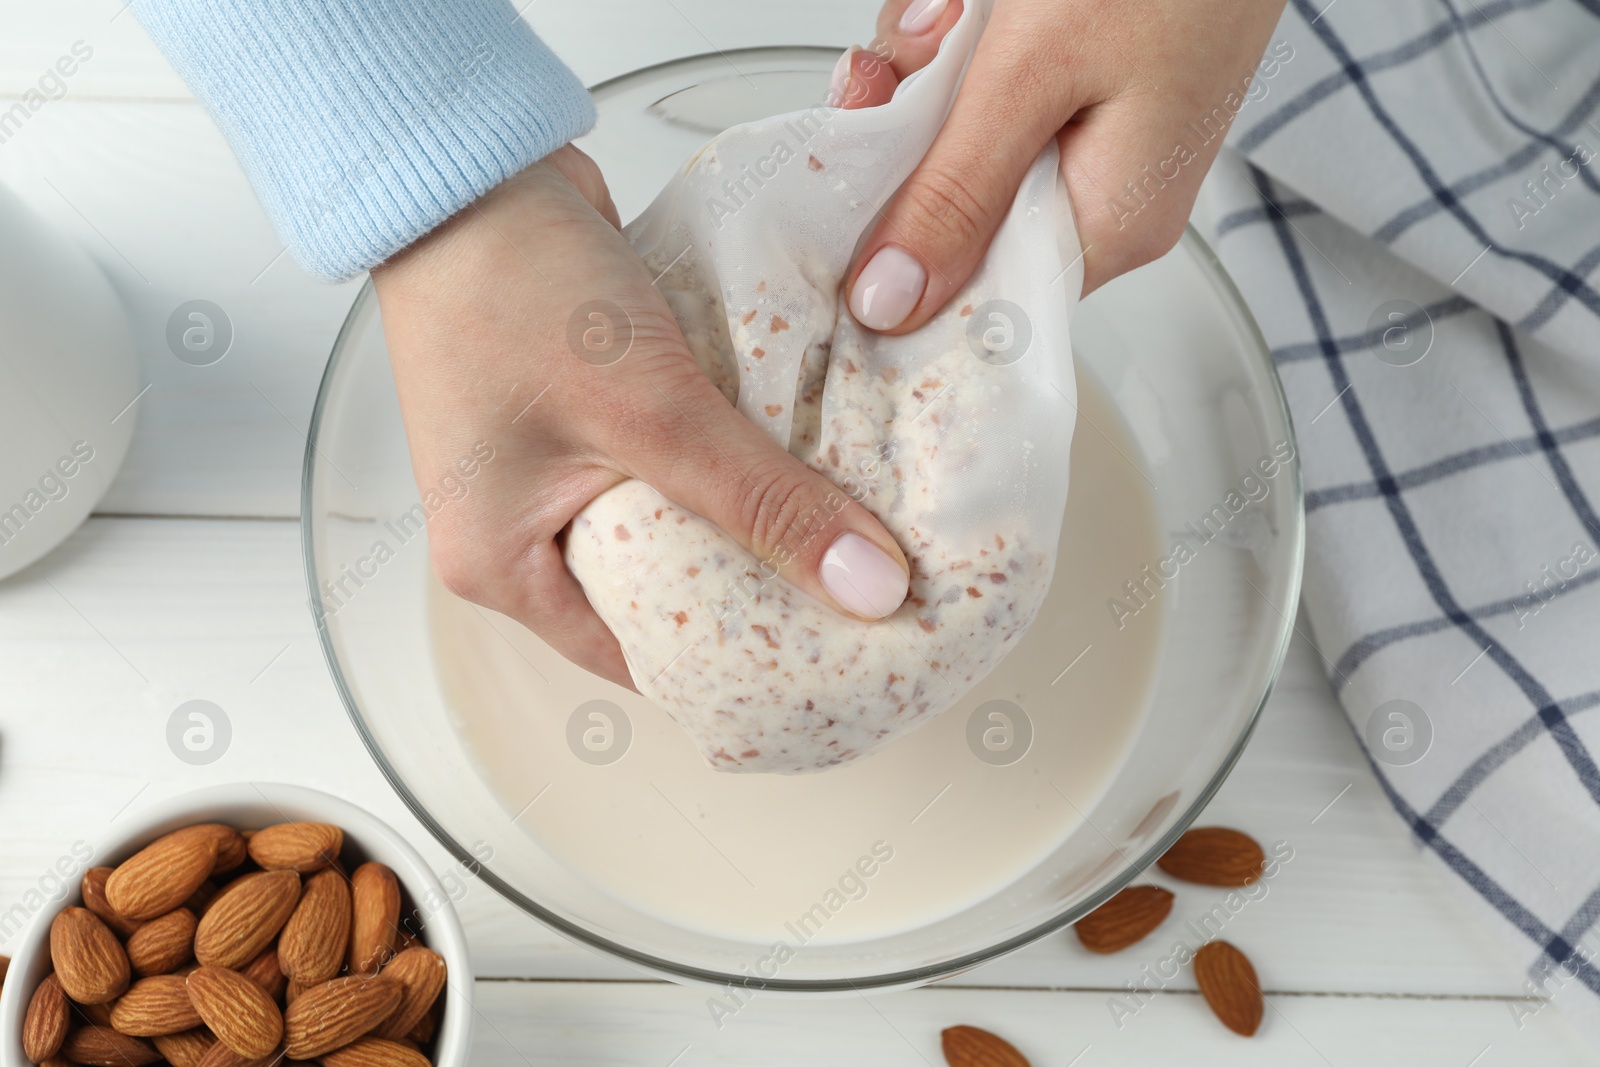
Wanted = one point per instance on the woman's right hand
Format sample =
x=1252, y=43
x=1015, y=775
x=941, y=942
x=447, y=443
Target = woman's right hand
x=478, y=316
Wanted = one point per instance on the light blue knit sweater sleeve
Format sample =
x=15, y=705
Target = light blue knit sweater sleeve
x=362, y=125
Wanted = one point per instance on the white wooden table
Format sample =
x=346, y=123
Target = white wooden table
x=187, y=584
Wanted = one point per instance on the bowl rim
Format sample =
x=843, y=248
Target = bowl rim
x=218, y=803
x=1258, y=355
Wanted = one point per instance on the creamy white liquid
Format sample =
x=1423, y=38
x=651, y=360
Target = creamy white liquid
x=742, y=855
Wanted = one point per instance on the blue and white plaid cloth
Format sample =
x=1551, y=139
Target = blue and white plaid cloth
x=1411, y=205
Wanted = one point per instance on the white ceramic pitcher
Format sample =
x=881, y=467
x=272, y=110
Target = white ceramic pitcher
x=68, y=377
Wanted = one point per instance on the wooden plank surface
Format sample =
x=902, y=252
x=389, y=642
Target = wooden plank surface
x=1368, y=954
x=664, y=1026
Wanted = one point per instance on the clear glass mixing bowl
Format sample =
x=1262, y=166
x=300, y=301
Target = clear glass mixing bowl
x=1171, y=346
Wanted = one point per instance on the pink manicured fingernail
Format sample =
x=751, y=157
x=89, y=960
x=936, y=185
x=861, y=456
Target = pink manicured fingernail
x=920, y=16
x=888, y=287
x=840, y=80
x=862, y=578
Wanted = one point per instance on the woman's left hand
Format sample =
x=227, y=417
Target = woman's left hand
x=1137, y=96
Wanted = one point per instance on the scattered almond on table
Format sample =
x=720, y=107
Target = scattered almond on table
x=1228, y=982
x=968, y=1046
x=1208, y=855
x=1214, y=855
x=1125, y=919
x=215, y=947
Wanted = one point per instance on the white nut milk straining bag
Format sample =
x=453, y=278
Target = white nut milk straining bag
x=955, y=436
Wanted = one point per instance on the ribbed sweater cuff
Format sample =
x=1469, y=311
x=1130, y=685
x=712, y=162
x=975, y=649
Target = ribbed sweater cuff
x=362, y=126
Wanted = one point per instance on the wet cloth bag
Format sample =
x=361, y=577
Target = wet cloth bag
x=955, y=436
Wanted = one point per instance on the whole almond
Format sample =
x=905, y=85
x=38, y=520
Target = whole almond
x=245, y=917
x=155, y=1007
x=421, y=973
x=335, y=1013
x=94, y=898
x=302, y=847
x=1125, y=919
x=160, y=876
x=1214, y=855
x=89, y=959
x=375, y=895
x=237, y=1010
x=967, y=1046
x=101, y=1046
x=232, y=850
x=45, y=1025
x=375, y=1052
x=186, y=1049
x=292, y=991
x=311, y=948
x=264, y=972
x=1228, y=982
x=163, y=945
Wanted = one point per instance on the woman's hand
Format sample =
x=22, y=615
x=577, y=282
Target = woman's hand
x=1137, y=96
x=494, y=341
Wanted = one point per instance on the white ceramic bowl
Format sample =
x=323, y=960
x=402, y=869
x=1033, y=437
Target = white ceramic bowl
x=250, y=805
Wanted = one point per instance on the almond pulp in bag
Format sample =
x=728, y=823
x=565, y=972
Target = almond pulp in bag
x=955, y=436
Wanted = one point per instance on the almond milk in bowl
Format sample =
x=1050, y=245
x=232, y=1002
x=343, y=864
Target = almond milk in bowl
x=1067, y=770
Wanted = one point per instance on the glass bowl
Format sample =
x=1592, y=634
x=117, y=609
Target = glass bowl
x=1188, y=388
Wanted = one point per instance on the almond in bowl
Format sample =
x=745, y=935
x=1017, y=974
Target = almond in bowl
x=242, y=925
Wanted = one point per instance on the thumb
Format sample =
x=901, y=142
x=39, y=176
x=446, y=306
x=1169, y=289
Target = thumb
x=696, y=449
x=935, y=230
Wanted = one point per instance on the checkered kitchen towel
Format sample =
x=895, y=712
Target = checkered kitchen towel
x=1411, y=206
